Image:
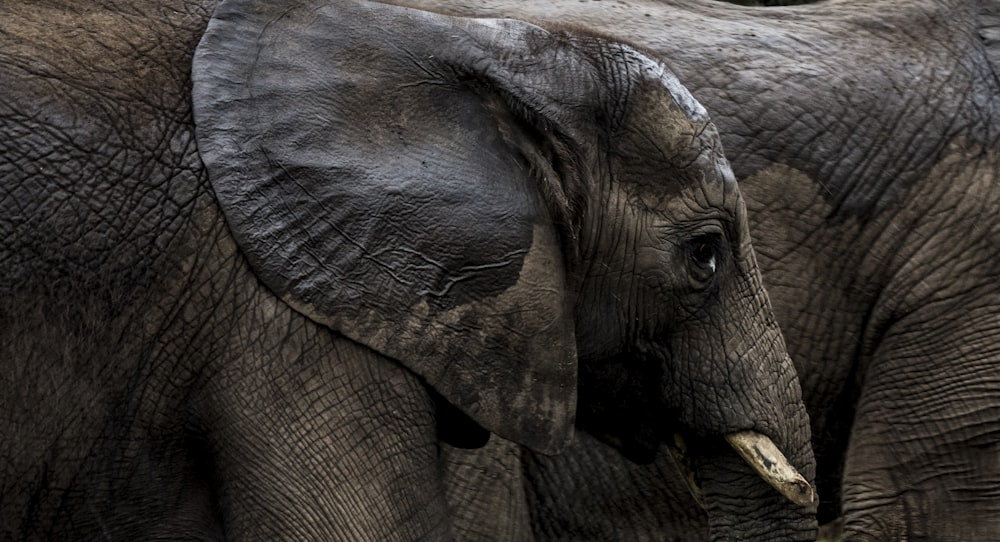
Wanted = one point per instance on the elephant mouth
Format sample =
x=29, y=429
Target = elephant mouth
x=763, y=457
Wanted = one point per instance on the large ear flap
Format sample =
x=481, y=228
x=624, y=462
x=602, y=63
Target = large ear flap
x=384, y=172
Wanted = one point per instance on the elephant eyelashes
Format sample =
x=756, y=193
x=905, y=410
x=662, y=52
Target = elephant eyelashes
x=703, y=255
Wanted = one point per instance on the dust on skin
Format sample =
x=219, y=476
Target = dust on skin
x=535, y=304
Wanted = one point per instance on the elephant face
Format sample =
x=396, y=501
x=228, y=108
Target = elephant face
x=670, y=294
x=662, y=225
x=489, y=203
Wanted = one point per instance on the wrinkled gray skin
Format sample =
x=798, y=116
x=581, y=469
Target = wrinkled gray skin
x=257, y=264
x=865, y=138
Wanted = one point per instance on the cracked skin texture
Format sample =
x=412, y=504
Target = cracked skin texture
x=145, y=341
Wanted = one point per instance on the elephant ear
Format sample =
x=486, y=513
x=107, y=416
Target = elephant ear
x=388, y=176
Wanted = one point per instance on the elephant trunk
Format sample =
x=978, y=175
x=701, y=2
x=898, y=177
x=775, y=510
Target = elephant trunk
x=743, y=503
x=755, y=471
x=751, y=451
x=748, y=449
x=748, y=511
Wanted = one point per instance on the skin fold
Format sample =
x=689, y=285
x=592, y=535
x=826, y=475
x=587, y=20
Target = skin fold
x=264, y=262
x=865, y=137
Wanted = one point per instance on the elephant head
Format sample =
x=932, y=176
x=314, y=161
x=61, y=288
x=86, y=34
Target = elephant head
x=493, y=205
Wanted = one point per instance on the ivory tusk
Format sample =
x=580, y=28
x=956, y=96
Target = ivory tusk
x=765, y=458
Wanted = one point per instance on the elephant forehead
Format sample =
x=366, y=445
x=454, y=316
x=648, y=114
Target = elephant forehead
x=664, y=186
x=669, y=153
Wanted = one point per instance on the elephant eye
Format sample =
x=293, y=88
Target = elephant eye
x=703, y=253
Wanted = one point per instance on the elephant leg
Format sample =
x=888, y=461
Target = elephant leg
x=923, y=461
x=318, y=438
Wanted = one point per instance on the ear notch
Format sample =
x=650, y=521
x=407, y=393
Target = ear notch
x=386, y=174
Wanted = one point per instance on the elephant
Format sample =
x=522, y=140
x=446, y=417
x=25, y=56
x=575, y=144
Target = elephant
x=865, y=139
x=263, y=262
